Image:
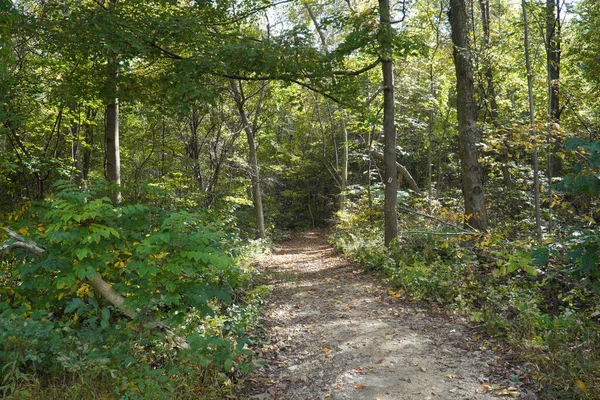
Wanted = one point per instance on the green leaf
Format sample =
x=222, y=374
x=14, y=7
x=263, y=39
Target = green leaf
x=80, y=253
x=540, y=256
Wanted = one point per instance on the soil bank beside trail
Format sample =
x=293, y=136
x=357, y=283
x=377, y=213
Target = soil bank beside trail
x=336, y=333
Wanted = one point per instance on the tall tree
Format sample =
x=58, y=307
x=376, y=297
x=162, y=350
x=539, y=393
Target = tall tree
x=553, y=31
x=536, y=178
x=251, y=129
x=389, y=125
x=469, y=135
x=490, y=91
x=113, y=152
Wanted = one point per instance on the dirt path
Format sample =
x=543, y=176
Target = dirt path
x=335, y=333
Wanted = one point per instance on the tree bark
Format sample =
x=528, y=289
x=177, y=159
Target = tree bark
x=536, y=172
x=469, y=135
x=553, y=62
x=344, y=172
x=389, y=125
x=490, y=91
x=113, y=154
x=250, y=130
x=401, y=170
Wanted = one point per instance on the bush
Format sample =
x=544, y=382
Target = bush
x=545, y=312
x=176, y=269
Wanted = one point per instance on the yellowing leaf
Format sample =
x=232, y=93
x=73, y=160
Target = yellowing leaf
x=511, y=391
x=83, y=290
x=580, y=384
x=485, y=387
x=359, y=386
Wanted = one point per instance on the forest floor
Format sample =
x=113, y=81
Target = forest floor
x=334, y=331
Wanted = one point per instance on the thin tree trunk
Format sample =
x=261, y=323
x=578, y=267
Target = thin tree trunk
x=553, y=62
x=536, y=178
x=490, y=92
x=389, y=126
x=89, y=141
x=402, y=171
x=469, y=135
x=344, y=172
x=113, y=154
x=75, y=131
x=250, y=130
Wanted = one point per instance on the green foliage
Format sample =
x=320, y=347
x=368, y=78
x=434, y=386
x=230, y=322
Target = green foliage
x=176, y=268
x=581, y=249
x=545, y=312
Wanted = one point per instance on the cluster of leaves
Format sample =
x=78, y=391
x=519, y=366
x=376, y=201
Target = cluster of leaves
x=177, y=270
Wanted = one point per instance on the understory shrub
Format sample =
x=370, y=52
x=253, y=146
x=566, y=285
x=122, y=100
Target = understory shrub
x=548, y=313
x=189, y=309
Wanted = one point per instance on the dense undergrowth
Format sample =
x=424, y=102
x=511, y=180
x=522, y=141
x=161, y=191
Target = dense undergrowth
x=547, y=308
x=196, y=301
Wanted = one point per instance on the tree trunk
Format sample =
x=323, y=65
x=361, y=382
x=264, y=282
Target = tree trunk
x=344, y=171
x=469, y=135
x=490, y=91
x=113, y=154
x=536, y=178
x=553, y=61
x=250, y=130
x=89, y=141
x=403, y=172
x=75, y=132
x=389, y=125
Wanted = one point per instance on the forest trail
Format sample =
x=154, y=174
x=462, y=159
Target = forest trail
x=336, y=333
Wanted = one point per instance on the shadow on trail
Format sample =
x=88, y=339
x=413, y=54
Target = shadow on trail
x=335, y=333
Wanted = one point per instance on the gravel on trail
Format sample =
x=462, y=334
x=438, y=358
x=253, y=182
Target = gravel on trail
x=336, y=332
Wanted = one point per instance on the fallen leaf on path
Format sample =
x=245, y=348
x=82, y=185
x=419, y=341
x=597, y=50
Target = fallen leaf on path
x=511, y=391
x=450, y=376
x=359, y=386
x=327, y=350
x=423, y=369
x=361, y=370
x=453, y=390
x=379, y=361
x=485, y=387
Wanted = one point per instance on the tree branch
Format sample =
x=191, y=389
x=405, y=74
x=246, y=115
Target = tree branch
x=402, y=170
x=99, y=285
x=438, y=219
